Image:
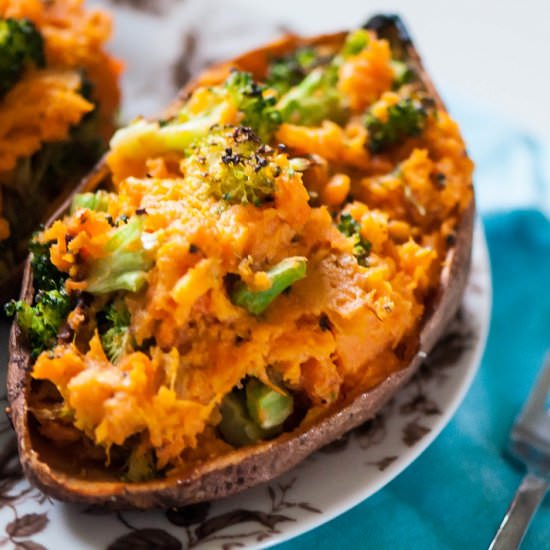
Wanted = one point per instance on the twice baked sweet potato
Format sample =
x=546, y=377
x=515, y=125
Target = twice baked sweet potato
x=262, y=270
x=58, y=97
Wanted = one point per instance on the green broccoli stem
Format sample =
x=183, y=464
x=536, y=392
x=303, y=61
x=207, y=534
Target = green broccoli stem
x=236, y=427
x=315, y=99
x=147, y=139
x=98, y=201
x=267, y=407
x=355, y=42
x=281, y=276
x=254, y=413
x=289, y=70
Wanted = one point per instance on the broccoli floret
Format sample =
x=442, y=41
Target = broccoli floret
x=259, y=109
x=351, y=228
x=404, y=119
x=236, y=167
x=116, y=339
x=125, y=265
x=20, y=44
x=289, y=70
x=45, y=275
x=315, y=99
x=52, y=304
x=42, y=321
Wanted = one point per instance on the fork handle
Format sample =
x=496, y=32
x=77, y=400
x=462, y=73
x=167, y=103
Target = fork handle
x=516, y=521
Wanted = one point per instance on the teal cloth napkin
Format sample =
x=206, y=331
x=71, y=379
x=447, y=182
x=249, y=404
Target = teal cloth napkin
x=456, y=493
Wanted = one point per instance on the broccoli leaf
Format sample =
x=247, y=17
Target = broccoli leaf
x=125, y=265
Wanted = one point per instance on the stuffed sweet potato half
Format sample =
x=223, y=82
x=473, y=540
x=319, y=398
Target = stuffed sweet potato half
x=246, y=279
x=58, y=97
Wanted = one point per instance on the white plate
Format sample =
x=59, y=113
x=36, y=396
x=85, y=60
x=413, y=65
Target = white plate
x=322, y=487
x=331, y=481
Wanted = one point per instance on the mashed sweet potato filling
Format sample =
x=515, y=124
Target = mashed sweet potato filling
x=372, y=220
x=53, y=100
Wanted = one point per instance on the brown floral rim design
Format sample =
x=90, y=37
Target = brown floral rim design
x=200, y=524
x=22, y=527
x=201, y=527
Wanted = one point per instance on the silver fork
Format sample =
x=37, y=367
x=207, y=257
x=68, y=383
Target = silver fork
x=529, y=443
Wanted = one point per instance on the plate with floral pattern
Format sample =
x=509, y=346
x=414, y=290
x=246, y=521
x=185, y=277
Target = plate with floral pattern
x=332, y=480
x=325, y=485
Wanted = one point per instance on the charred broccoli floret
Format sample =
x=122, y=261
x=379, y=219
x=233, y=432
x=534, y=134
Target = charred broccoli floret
x=351, y=228
x=116, y=339
x=258, y=108
x=404, y=119
x=125, y=264
x=41, y=322
x=236, y=166
x=20, y=44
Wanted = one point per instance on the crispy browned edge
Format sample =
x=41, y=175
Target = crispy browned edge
x=245, y=467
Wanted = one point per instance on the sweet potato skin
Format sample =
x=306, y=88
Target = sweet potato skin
x=245, y=467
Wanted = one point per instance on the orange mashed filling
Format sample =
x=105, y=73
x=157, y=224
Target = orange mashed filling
x=45, y=104
x=204, y=344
